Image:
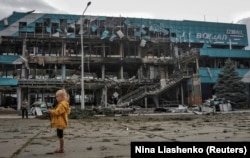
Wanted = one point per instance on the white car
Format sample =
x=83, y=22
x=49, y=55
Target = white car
x=42, y=105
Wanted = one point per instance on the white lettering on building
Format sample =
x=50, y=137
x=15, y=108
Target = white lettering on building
x=210, y=36
x=234, y=33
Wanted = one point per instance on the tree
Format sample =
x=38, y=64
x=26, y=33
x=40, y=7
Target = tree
x=230, y=86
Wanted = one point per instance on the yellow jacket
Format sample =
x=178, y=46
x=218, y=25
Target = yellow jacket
x=59, y=115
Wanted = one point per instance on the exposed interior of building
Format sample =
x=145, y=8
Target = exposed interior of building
x=116, y=60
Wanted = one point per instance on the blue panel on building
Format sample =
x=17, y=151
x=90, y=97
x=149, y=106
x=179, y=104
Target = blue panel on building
x=177, y=31
x=8, y=82
x=224, y=53
x=210, y=75
x=9, y=59
x=12, y=19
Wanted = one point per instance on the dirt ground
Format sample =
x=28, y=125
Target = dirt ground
x=110, y=137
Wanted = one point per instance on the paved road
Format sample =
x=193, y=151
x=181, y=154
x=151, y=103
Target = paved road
x=109, y=137
x=34, y=138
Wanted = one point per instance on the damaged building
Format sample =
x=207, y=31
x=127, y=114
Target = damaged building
x=127, y=61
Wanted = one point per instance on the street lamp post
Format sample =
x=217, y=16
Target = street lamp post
x=82, y=60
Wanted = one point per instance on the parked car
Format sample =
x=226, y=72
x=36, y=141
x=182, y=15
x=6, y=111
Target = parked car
x=42, y=105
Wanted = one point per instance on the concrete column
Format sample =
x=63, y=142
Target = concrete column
x=63, y=72
x=103, y=50
x=162, y=72
x=166, y=72
x=55, y=70
x=122, y=56
x=121, y=71
x=156, y=100
x=23, y=71
x=42, y=93
x=35, y=50
x=140, y=69
x=151, y=72
x=182, y=95
x=197, y=65
x=63, y=53
x=19, y=97
x=146, y=102
x=121, y=50
x=105, y=96
x=103, y=72
x=139, y=51
x=24, y=47
x=196, y=91
x=140, y=73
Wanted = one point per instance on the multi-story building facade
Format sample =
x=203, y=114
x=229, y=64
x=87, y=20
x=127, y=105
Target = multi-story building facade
x=126, y=60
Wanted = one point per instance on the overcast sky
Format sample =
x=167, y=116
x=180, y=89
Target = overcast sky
x=201, y=10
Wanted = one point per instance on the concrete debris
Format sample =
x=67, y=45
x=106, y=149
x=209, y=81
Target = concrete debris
x=181, y=109
x=214, y=105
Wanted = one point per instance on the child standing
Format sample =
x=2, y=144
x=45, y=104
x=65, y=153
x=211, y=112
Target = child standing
x=59, y=116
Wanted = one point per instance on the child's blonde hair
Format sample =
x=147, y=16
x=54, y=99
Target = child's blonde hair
x=63, y=93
